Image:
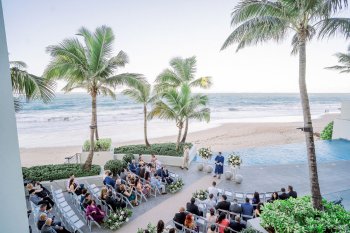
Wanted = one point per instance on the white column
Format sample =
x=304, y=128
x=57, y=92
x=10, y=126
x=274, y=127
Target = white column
x=13, y=213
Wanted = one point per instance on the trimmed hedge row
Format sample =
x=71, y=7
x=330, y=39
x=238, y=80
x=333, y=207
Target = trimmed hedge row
x=157, y=149
x=327, y=132
x=103, y=144
x=57, y=172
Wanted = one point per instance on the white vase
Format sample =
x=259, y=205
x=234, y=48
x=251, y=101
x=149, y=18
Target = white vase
x=238, y=178
x=228, y=175
x=209, y=168
x=200, y=167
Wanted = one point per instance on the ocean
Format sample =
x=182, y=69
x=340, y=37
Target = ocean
x=65, y=121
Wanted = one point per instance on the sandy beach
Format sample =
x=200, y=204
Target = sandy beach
x=229, y=136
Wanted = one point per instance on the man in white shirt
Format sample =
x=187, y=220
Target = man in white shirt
x=213, y=190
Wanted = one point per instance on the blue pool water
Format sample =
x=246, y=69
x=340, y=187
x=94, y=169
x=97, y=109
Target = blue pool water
x=326, y=151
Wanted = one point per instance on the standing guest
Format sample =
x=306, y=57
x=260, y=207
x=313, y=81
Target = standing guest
x=211, y=217
x=193, y=208
x=236, y=224
x=133, y=166
x=247, y=208
x=223, y=222
x=219, y=165
x=180, y=217
x=190, y=223
x=258, y=210
x=160, y=226
x=186, y=157
x=223, y=204
x=94, y=211
x=291, y=192
x=33, y=197
x=209, y=202
x=235, y=207
x=283, y=195
x=274, y=197
x=213, y=190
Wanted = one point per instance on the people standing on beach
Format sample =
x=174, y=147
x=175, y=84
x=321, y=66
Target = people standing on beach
x=219, y=165
x=186, y=157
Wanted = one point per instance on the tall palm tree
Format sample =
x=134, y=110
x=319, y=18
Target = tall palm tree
x=141, y=94
x=257, y=21
x=28, y=85
x=182, y=71
x=344, y=60
x=178, y=105
x=90, y=66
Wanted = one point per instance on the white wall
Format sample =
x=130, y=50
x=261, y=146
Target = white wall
x=341, y=128
x=13, y=214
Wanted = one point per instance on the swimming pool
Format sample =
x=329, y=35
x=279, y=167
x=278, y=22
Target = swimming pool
x=326, y=151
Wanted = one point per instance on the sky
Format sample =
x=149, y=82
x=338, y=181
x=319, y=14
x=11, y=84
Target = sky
x=154, y=31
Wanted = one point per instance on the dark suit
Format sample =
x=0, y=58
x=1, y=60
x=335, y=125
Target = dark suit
x=192, y=208
x=114, y=203
x=236, y=208
x=180, y=218
x=223, y=205
x=283, y=196
x=293, y=194
x=236, y=226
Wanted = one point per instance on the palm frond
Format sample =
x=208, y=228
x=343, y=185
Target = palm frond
x=126, y=79
x=203, y=82
x=334, y=27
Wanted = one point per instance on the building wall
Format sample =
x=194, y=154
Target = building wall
x=341, y=128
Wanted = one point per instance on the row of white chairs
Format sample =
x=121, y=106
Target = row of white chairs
x=240, y=196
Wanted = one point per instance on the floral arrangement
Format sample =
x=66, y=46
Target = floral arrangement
x=151, y=229
x=201, y=195
x=117, y=219
x=176, y=186
x=205, y=153
x=234, y=160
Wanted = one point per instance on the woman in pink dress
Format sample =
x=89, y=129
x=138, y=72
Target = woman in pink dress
x=95, y=212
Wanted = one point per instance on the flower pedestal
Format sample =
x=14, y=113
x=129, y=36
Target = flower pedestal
x=236, y=177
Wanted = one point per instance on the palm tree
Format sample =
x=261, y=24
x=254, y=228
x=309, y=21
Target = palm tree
x=344, y=60
x=257, y=21
x=28, y=85
x=178, y=105
x=182, y=71
x=90, y=66
x=141, y=94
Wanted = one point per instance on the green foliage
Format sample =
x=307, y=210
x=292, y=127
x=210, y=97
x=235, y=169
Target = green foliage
x=116, y=220
x=151, y=228
x=128, y=158
x=327, y=132
x=200, y=194
x=103, y=144
x=249, y=230
x=58, y=171
x=157, y=149
x=176, y=186
x=115, y=166
x=298, y=215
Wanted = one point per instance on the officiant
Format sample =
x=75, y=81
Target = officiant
x=219, y=165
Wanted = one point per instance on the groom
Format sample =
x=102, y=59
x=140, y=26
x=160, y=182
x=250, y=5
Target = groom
x=219, y=165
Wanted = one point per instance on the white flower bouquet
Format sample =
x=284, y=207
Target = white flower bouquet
x=234, y=160
x=175, y=186
x=116, y=220
x=205, y=153
x=200, y=194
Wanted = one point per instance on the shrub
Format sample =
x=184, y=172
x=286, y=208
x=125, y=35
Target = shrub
x=298, y=215
x=151, y=229
x=115, y=166
x=327, y=132
x=128, y=158
x=57, y=172
x=116, y=220
x=157, y=149
x=103, y=144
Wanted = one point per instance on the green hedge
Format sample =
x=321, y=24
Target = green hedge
x=157, y=149
x=103, y=144
x=298, y=215
x=327, y=132
x=128, y=158
x=115, y=166
x=57, y=172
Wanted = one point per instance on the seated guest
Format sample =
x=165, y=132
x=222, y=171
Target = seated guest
x=123, y=174
x=41, y=222
x=138, y=169
x=82, y=196
x=256, y=198
x=192, y=207
x=223, y=204
x=211, y=217
x=213, y=190
x=291, y=192
x=114, y=203
x=105, y=174
x=209, y=202
x=142, y=172
x=190, y=223
x=132, y=166
x=164, y=174
x=247, y=208
x=236, y=224
x=283, y=195
x=141, y=160
x=223, y=222
x=127, y=192
x=258, y=210
x=42, y=210
x=33, y=197
x=75, y=182
x=56, y=226
x=180, y=217
x=160, y=226
x=212, y=229
x=274, y=197
x=87, y=199
x=74, y=187
x=94, y=211
x=39, y=191
x=145, y=189
x=49, y=227
x=172, y=230
x=44, y=191
x=235, y=207
x=118, y=182
x=109, y=180
x=155, y=183
x=103, y=193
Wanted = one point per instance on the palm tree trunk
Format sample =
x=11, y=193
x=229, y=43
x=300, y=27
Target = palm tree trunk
x=88, y=162
x=185, y=132
x=145, y=124
x=309, y=136
x=179, y=136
